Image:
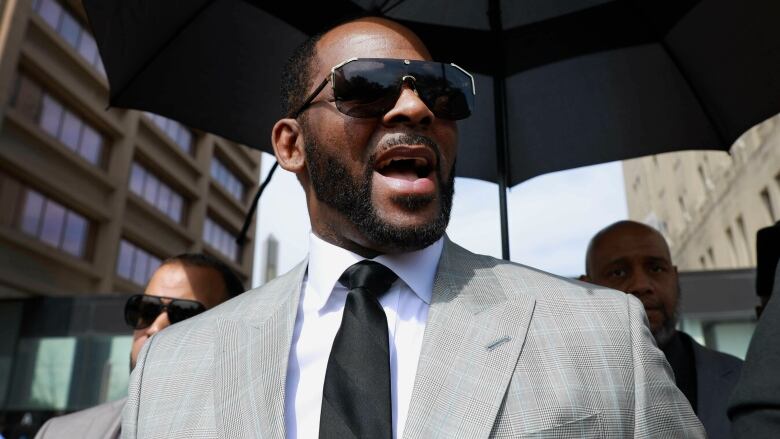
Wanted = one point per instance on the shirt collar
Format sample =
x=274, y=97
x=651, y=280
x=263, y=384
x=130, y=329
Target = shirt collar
x=327, y=262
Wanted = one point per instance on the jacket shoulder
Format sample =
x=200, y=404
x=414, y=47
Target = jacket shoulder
x=95, y=422
x=717, y=362
x=521, y=279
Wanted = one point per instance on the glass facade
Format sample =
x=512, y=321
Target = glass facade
x=228, y=180
x=180, y=134
x=149, y=187
x=220, y=239
x=56, y=120
x=71, y=31
x=54, y=224
x=135, y=264
x=55, y=360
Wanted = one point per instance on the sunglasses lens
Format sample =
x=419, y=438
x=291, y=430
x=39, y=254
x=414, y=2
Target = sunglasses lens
x=179, y=310
x=445, y=89
x=367, y=88
x=141, y=311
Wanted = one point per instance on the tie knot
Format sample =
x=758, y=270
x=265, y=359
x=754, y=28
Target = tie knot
x=370, y=275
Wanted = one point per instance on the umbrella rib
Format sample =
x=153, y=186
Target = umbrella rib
x=678, y=65
x=704, y=109
x=391, y=7
x=248, y=220
x=160, y=50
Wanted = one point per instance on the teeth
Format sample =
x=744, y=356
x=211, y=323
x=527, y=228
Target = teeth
x=418, y=161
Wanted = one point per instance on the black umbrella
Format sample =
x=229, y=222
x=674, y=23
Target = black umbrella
x=560, y=84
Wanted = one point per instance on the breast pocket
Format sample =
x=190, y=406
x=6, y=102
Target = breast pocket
x=586, y=427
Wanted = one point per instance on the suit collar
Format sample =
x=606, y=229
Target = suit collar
x=476, y=323
x=251, y=360
x=327, y=262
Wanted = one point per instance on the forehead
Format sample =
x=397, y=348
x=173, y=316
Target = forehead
x=171, y=280
x=367, y=39
x=630, y=243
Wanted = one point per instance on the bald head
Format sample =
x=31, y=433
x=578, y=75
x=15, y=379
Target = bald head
x=619, y=232
x=365, y=30
x=300, y=72
x=634, y=258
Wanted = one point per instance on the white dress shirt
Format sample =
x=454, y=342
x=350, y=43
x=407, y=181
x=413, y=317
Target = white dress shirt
x=319, y=317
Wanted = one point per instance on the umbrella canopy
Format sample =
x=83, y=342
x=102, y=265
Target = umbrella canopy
x=559, y=84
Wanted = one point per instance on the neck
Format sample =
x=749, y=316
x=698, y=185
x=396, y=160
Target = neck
x=347, y=244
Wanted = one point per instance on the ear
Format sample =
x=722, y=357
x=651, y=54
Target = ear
x=287, y=140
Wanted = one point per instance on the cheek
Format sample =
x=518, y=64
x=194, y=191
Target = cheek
x=349, y=138
x=139, y=337
x=447, y=138
x=614, y=283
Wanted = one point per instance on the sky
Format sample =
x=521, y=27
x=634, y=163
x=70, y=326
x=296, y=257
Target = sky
x=551, y=217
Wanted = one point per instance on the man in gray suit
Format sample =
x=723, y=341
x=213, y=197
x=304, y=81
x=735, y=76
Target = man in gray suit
x=634, y=258
x=181, y=287
x=388, y=329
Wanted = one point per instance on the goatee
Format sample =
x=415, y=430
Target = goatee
x=351, y=196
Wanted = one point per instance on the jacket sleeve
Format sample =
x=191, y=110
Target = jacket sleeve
x=754, y=407
x=43, y=433
x=132, y=407
x=660, y=408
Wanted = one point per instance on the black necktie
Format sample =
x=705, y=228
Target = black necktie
x=356, y=395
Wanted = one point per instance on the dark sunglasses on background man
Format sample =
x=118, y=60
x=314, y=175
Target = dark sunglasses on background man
x=370, y=87
x=141, y=310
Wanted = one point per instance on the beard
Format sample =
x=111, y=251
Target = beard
x=668, y=329
x=351, y=196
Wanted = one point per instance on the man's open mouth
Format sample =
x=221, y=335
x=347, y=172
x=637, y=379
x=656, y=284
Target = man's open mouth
x=406, y=163
x=410, y=168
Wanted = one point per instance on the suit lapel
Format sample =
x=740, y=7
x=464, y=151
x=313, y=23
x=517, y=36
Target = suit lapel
x=473, y=337
x=251, y=361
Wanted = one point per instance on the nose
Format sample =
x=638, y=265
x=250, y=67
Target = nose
x=409, y=109
x=640, y=284
x=160, y=323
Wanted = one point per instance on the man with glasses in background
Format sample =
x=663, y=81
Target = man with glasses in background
x=388, y=329
x=182, y=287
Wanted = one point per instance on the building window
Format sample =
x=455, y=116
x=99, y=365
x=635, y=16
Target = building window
x=149, y=187
x=766, y=198
x=228, y=180
x=705, y=181
x=777, y=180
x=733, y=246
x=135, y=264
x=220, y=239
x=745, y=239
x=71, y=30
x=711, y=255
x=31, y=100
x=177, y=132
x=636, y=183
x=52, y=223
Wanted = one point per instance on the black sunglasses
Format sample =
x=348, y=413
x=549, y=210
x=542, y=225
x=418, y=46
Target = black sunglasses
x=370, y=87
x=141, y=310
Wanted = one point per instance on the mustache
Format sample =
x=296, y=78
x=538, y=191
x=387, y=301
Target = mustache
x=408, y=139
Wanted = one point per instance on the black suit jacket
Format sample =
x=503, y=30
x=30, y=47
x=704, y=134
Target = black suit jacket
x=754, y=407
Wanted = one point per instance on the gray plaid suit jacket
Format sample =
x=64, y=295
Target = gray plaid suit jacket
x=508, y=351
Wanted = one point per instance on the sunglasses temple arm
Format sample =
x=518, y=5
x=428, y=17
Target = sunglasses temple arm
x=296, y=113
